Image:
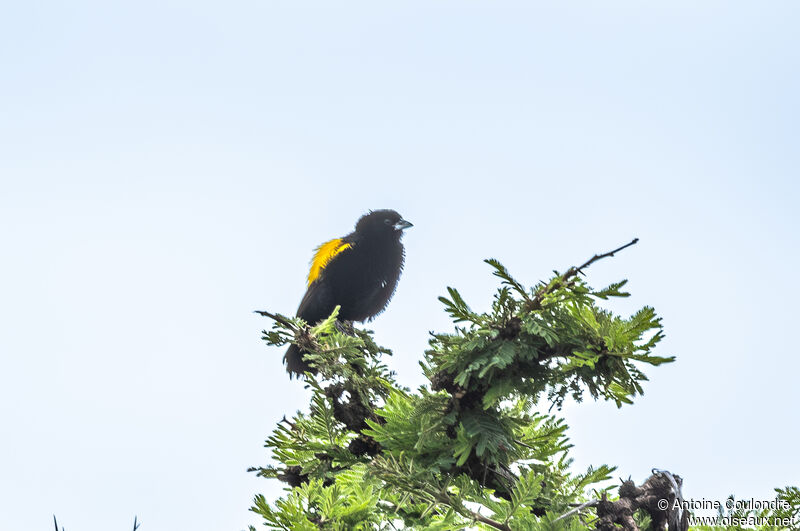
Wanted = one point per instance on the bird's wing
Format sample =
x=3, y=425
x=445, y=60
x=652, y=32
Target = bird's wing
x=381, y=295
x=317, y=303
x=325, y=254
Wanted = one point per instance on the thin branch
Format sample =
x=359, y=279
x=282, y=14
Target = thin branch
x=536, y=303
x=523, y=444
x=478, y=517
x=488, y=521
x=577, y=509
x=597, y=257
x=285, y=322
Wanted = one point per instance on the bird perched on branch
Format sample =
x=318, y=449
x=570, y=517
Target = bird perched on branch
x=358, y=272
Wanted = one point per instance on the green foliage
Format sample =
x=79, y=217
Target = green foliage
x=740, y=518
x=477, y=447
x=349, y=503
x=790, y=495
x=553, y=338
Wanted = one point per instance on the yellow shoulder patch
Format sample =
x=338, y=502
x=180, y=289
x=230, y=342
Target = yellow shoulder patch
x=323, y=255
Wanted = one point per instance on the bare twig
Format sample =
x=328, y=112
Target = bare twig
x=136, y=524
x=488, y=521
x=288, y=324
x=563, y=279
x=597, y=257
x=478, y=517
x=288, y=422
x=577, y=509
x=517, y=441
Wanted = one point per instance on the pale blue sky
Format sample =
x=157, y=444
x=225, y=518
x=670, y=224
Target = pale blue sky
x=168, y=167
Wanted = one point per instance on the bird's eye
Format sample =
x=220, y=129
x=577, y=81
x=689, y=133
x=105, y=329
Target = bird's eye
x=387, y=221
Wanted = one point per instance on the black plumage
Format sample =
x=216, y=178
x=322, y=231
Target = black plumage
x=358, y=272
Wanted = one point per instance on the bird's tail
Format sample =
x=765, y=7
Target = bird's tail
x=295, y=364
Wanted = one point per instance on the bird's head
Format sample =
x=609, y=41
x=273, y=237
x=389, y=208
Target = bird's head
x=382, y=223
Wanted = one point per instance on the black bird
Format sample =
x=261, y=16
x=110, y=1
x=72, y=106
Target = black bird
x=358, y=272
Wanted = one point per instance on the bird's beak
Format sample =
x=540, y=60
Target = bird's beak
x=402, y=225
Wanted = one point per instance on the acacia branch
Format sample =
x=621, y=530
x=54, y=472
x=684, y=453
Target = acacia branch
x=278, y=318
x=579, y=508
x=488, y=521
x=597, y=257
x=478, y=517
x=536, y=302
